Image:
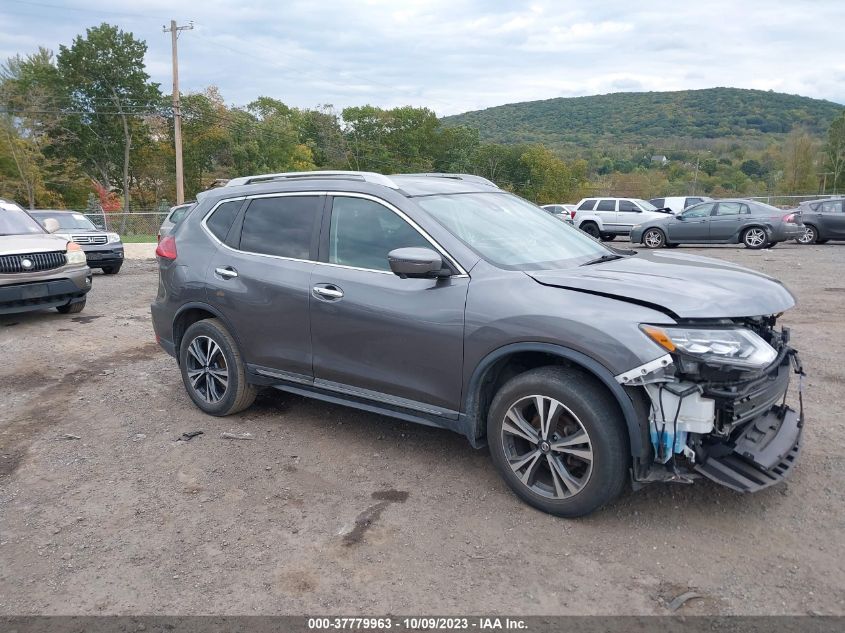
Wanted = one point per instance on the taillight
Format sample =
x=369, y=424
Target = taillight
x=166, y=248
x=789, y=217
x=572, y=214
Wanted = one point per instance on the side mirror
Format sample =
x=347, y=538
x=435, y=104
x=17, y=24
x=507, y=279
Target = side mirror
x=51, y=225
x=680, y=217
x=416, y=263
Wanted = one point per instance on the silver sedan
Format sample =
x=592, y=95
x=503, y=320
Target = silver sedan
x=731, y=221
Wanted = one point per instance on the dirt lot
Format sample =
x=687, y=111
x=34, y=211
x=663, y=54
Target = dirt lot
x=126, y=519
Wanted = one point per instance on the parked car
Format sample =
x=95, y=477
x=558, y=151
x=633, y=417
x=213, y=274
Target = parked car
x=173, y=218
x=455, y=304
x=606, y=218
x=731, y=221
x=823, y=220
x=560, y=212
x=678, y=203
x=39, y=268
x=103, y=249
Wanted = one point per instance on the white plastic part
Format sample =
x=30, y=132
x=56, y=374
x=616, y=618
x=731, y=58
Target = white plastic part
x=697, y=414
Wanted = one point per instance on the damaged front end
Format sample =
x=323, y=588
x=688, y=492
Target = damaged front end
x=717, y=403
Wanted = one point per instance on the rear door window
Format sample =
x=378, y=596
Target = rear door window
x=283, y=226
x=729, y=208
x=627, y=205
x=606, y=205
x=587, y=205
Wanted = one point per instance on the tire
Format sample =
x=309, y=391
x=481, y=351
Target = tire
x=226, y=365
x=754, y=238
x=811, y=235
x=111, y=270
x=72, y=308
x=654, y=238
x=607, y=237
x=591, y=229
x=585, y=409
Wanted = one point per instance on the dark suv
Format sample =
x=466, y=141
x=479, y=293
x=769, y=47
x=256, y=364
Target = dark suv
x=443, y=300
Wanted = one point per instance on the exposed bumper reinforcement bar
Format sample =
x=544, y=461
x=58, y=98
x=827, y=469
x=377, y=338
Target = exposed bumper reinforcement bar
x=764, y=454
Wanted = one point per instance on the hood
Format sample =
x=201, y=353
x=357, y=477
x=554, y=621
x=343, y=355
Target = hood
x=31, y=243
x=686, y=286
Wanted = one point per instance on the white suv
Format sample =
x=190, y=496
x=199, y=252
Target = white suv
x=606, y=218
x=678, y=203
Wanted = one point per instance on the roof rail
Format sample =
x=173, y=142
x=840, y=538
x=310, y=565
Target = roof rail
x=365, y=176
x=468, y=177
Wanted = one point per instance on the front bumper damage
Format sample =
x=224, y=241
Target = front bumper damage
x=738, y=432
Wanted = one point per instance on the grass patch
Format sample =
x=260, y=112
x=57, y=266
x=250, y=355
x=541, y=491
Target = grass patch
x=138, y=239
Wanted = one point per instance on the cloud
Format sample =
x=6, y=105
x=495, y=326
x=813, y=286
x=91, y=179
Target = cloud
x=459, y=55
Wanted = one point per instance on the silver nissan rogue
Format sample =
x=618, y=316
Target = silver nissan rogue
x=441, y=299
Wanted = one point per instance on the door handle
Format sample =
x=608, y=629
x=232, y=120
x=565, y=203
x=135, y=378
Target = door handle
x=327, y=291
x=227, y=273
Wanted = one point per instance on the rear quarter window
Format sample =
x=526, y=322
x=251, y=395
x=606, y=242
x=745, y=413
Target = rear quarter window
x=221, y=219
x=587, y=205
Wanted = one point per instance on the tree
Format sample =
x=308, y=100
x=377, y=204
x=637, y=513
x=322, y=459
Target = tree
x=835, y=148
x=108, y=92
x=799, y=153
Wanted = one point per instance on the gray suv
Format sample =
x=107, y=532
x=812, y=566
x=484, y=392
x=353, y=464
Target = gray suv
x=443, y=300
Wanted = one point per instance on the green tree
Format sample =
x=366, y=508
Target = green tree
x=835, y=149
x=799, y=154
x=108, y=94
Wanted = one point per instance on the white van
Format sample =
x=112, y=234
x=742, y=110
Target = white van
x=606, y=218
x=678, y=203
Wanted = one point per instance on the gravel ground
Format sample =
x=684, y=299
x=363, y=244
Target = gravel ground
x=126, y=519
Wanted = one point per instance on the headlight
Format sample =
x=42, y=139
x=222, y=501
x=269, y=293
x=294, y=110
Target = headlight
x=113, y=237
x=75, y=254
x=739, y=347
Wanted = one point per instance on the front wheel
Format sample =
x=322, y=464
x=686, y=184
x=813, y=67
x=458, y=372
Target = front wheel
x=212, y=369
x=112, y=270
x=754, y=238
x=72, y=308
x=557, y=438
x=654, y=238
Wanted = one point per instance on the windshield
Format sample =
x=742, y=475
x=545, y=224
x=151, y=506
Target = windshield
x=511, y=233
x=645, y=205
x=15, y=221
x=67, y=220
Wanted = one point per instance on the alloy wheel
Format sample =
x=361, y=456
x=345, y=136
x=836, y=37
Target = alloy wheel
x=547, y=447
x=653, y=238
x=207, y=370
x=809, y=235
x=755, y=237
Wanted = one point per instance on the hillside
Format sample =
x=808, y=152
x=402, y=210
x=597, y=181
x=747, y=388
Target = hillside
x=651, y=118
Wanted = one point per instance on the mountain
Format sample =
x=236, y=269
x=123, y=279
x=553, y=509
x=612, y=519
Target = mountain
x=652, y=118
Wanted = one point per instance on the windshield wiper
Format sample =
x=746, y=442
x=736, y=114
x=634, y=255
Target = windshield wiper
x=603, y=258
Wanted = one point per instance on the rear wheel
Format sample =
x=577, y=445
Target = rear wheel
x=607, y=237
x=112, y=270
x=654, y=238
x=591, y=229
x=754, y=238
x=811, y=235
x=212, y=369
x=71, y=308
x=557, y=438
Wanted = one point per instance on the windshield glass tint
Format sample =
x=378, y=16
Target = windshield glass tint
x=510, y=232
x=67, y=220
x=14, y=221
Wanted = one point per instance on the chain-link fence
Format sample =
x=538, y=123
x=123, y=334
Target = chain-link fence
x=790, y=201
x=141, y=226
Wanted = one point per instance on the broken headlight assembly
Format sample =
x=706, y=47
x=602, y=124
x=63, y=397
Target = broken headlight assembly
x=734, y=347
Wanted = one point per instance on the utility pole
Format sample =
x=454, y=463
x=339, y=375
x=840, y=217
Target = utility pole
x=177, y=113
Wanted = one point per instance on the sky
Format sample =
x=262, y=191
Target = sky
x=459, y=55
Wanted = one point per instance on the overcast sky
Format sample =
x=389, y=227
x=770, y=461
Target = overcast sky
x=458, y=55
